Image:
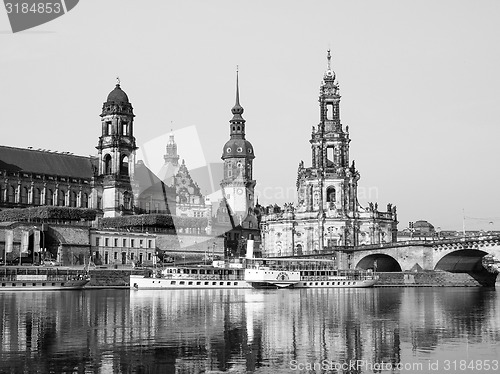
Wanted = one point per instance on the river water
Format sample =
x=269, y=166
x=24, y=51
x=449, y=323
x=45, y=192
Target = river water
x=392, y=330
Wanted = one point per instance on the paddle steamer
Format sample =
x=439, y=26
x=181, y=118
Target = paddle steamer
x=255, y=273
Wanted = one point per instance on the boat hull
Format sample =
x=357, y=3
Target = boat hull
x=37, y=285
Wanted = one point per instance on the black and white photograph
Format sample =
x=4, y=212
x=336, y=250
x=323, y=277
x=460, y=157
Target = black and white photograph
x=236, y=186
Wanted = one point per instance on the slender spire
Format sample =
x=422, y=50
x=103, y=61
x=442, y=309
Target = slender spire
x=329, y=57
x=237, y=87
x=117, y=81
x=237, y=109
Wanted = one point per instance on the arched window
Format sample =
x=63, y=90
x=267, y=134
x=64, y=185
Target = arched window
x=126, y=200
x=49, y=200
x=107, y=164
x=330, y=156
x=36, y=196
x=329, y=111
x=124, y=165
x=72, y=199
x=11, y=194
x=299, y=250
x=330, y=194
x=109, y=128
x=125, y=128
x=62, y=198
x=85, y=200
x=24, y=195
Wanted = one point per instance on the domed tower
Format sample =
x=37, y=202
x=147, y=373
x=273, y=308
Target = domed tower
x=116, y=153
x=237, y=154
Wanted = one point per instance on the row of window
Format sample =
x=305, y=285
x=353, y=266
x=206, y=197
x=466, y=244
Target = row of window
x=124, y=259
x=108, y=128
x=328, y=283
x=198, y=283
x=108, y=165
x=124, y=242
x=39, y=196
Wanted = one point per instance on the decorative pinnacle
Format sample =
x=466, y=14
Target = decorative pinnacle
x=329, y=57
x=117, y=81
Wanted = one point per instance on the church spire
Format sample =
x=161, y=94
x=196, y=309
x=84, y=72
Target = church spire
x=237, y=123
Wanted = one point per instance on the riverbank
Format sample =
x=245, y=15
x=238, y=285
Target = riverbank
x=120, y=278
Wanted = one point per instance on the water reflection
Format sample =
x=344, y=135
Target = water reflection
x=244, y=330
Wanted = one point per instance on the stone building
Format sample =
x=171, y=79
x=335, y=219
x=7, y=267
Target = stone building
x=111, y=182
x=327, y=214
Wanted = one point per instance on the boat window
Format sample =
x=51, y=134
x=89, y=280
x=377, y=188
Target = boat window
x=221, y=283
x=190, y=283
x=24, y=284
x=202, y=271
x=182, y=282
x=214, y=283
x=194, y=271
x=172, y=282
x=198, y=283
x=206, y=283
x=235, y=283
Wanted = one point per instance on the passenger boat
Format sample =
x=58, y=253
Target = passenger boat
x=255, y=273
x=40, y=279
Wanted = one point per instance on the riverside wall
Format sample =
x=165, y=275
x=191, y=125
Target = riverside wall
x=436, y=279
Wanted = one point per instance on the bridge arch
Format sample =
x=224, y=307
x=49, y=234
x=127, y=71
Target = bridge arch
x=379, y=262
x=462, y=261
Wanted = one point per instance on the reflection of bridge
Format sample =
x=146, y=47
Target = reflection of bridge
x=453, y=255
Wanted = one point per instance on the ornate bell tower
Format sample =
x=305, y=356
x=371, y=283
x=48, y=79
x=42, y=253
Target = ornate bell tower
x=116, y=153
x=238, y=184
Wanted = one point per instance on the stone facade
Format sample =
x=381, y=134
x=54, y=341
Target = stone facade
x=327, y=214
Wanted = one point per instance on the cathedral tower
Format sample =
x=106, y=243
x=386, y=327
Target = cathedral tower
x=116, y=153
x=238, y=184
x=330, y=186
x=328, y=215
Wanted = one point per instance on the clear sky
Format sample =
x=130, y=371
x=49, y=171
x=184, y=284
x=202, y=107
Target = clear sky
x=419, y=83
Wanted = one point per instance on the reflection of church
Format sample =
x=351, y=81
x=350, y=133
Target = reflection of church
x=327, y=214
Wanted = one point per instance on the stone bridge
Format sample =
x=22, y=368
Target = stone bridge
x=453, y=255
x=458, y=255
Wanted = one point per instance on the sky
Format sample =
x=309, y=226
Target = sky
x=419, y=83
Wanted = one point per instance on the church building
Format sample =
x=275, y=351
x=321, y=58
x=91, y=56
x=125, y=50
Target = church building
x=327, y=214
